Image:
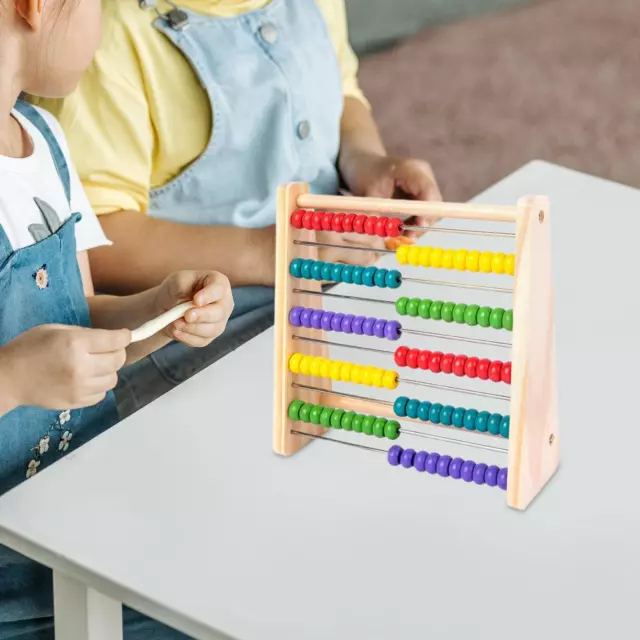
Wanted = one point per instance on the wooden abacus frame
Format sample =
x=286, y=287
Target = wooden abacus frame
x=533, y=444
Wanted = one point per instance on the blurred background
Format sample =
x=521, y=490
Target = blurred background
x=480, y=87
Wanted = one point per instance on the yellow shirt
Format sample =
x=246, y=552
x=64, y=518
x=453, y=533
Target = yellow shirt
x=139, y=115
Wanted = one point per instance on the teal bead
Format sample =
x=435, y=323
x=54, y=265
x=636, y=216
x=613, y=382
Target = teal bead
x=423, y=308
x=295, y=267
x=347, y=420
x=482, y=421
x=401, y=306
x=327, y=271
x=393, y=279
x=378, y=427
x=368, y=276
x=412, y=408
x=294, y=409
x=357, y=274
x=367, y=425
x=435, y=311
x=457, y=418
x=447, y=311
x=380, y=278
x=316, y=269
x=304, y=412
x=412, y=307
x=446, y=414
x=325, y=417
x=496, y=318
x=400, y=406
x=423, y=411
x=484, y=316
x=336, y=418
x=392, y=430
x=315, y=413
x=356, y=423
x=347, y=273
x=459, y=313
x=305, y=269
x=507, y=320
x=471, y=315
x=494, y=424
x=469, y=422
x=504, y=426
x=336, y=272
x=434, y=414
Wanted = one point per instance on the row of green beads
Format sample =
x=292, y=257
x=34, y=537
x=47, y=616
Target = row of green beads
x=471, y=314
x=330, y=417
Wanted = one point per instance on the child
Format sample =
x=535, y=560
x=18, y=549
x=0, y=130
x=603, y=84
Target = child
x=194, y=114
x=56, y=372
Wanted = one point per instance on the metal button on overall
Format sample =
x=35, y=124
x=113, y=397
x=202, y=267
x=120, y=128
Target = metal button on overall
x=304, y=129
x=269, y=32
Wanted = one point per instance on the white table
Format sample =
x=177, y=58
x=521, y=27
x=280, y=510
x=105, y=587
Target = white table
x=184, y=512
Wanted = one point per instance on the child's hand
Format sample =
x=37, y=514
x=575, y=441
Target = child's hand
x=60, y=367
x=211, y=293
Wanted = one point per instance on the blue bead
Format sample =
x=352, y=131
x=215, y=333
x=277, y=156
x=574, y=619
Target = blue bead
x=494, y=424
x=394, y=279
x=327, y=271
x=295, y=266
x=368, y=276
x=504, y=426
x=423, y=411
x=470, y=419
x=393, y=455
x=502, y=478
x=357, y=274
x=400, y=406
x=482, y=421
x=434, y=414
x=478, y=473
x=431, y=465
x=446, y=414
x=316, y=269
x=412, y=408
x=406, y=460
x=380, y=279
x=305, y=269
x=491, y=475
x=336, y=272
x=347, y=273
x=443, y=466
x=455, y=468
x=420, y=460
x=458, y=417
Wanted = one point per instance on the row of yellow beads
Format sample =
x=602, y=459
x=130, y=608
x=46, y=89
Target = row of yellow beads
x=342, y=371
x=460, y=259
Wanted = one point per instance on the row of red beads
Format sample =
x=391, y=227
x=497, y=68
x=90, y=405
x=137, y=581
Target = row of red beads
x=347, y=223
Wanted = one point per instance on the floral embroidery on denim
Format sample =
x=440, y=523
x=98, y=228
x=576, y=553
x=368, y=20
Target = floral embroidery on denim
x=44, y=444
x=41, y=277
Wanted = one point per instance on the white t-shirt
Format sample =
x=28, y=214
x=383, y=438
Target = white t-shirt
x=32, y=195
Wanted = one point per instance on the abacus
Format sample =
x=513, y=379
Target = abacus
x=309, y=407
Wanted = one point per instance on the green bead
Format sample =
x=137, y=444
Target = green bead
x=507, y=320
x=392, y=429
x=504, y=426
x=304, y=412
x=447, y=311
x=494, y=423
x=325, y=417
x=336, y=418
x=412, y=307
x=367, y=425
x=356, y=423
x=484, y=315
x=378, y=427
x=347, y=420
x=471, y=315
x=315, y=413
x=294, y=409
x=446, y=415
x=458, y=417
x=401, y=305
x=459, y=312
x=423, y=308
x=482, y=421
x=496, y=318
x=435, y=311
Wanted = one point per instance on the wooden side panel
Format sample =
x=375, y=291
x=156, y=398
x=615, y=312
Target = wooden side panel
x=533, y=438
x=284, y=442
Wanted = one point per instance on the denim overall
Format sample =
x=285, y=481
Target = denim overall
x=275, y=88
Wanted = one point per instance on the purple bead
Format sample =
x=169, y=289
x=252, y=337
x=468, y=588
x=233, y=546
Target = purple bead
x=419, y=460
x=393, y=455
x=392, y=330
x=406, y=460
x=367, y=326
x=478, y=473
x=346, y=323
x=431, y=465
x=502, y=478
x=466, y=472
x=316, y=319
x=294, y=316
x=491, y=475
x=356, y=325
x=378, y=328
x=336, y=321
x=443, y=466
x=327, y=317
x=305, y=317
x=455, y=468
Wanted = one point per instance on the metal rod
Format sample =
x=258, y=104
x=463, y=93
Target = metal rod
x=341, y=344
x=458, y=285
x=327, y=439
x=307, y=243
x=331, y=392
x=471, y=392
x=341, y=296
x=463, y=232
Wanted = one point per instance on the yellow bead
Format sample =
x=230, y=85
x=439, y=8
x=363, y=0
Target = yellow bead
x=425, y=254
x=413, y=255
x=510, y=264
x=356, y=373
x=447, y=258
x=460, y=260
x=485, y=261
x=497, y=263
x=336, y=365
x=390, y=379
x=376, y=378
x=435, y=260
x=473, y=259
x=325, y=369
x=367, y=376
x=316, y=366
x=294, y=362
x=345, y=371
x=401, y=253
x=305, y=365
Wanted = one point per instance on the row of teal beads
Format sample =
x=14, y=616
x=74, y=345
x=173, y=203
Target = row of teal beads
x=470, y=419
x=329, y=417
x=460, y=313
x=332, y=272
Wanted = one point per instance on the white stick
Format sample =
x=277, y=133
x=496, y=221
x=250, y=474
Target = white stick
x=152, y=327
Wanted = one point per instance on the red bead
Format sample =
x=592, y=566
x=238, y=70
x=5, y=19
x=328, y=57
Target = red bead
x=434, y=361
x=306, y=220
x=347, y=223
x=296, y=218
x=394, y=227
x=458, y=365
x=446, y=364
x=316, y=220
x=400, y=356
x=505, y=374
x=336, y=223
x=495, y=371
x=381, y=226
x=423, y=359
x=470, y=367
x=358, y=223
x=483, y=369
x=327, y=219
x=370, y=225
x=412, y=358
